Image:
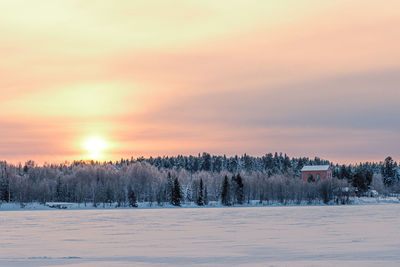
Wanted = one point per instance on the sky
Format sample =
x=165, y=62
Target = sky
x=82, y=79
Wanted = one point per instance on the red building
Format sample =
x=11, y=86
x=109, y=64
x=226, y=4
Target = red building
x=316, y=173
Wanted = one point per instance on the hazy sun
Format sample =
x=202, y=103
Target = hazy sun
x=95, y=147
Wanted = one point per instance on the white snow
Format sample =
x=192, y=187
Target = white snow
x=4, y=206
x=315, y=168
x=354, y=235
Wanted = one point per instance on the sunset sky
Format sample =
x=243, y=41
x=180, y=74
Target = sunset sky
x=148, y=78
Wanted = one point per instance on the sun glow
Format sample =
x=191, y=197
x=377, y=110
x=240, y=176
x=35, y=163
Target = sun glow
x=95, y=147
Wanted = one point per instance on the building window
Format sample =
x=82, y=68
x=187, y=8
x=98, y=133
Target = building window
x=311, y=178
x=318, y=177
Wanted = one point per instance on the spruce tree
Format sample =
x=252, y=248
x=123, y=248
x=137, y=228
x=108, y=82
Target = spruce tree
x=132, y=199
x=225, y=194
x=205, y=196
x=4, y=190
x=170, y=188
x=176, y=194
x=200, y=199
x=109, y=196
x=239, y=193
x=59, y=190
x=388, y=171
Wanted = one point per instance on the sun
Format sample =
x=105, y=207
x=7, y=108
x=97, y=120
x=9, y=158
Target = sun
x=95, y=147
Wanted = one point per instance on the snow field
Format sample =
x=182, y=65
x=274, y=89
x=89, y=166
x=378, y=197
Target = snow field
x=356, y=235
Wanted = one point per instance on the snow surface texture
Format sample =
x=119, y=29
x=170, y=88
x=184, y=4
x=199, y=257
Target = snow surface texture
x=357, y=235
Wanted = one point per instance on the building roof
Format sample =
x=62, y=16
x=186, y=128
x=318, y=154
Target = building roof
x=315, y=168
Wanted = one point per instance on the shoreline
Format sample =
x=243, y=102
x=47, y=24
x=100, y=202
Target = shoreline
x=355, y=201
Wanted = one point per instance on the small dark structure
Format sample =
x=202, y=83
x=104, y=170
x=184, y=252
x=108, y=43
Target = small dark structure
x=316, y=173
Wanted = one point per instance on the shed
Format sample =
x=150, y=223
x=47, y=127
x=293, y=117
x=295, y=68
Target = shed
x=316, y=173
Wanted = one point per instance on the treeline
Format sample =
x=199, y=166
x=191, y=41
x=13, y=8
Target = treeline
x=201, y=179
x=269, y=164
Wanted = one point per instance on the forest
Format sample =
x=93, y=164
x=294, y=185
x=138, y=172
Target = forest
x=272, y=178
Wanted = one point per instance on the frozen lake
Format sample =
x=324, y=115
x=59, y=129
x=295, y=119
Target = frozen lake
x=255, y=236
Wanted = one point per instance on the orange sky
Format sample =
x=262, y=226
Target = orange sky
x=309, y=78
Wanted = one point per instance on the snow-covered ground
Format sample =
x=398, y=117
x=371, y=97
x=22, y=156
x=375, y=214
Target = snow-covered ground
x=354, y=235
x=254, y=203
